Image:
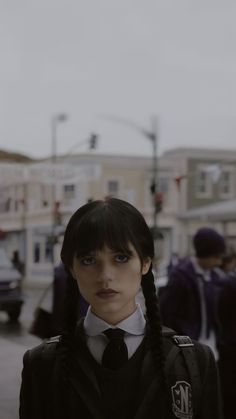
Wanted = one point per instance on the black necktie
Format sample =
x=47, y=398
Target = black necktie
x=115, y=353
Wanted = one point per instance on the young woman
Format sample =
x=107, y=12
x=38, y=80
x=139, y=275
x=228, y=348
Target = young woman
x=116, y=363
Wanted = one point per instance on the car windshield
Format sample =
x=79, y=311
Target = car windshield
x=4, y=261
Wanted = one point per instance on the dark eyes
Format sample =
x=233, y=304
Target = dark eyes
x=121, y=258
x=91, y=260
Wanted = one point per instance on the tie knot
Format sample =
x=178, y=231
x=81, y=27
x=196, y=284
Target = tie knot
x=114, y=334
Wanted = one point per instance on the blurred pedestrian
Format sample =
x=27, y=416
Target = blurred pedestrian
x=17, y=262
x=114, y=364
x=174, y=261
x=227, y=340
x=188, y=302
x=228, y=264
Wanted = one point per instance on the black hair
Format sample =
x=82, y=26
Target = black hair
x=208, y=242
x=115, y=223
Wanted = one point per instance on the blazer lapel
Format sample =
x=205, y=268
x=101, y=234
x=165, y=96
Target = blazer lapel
x=82, y=376
x=84, y=382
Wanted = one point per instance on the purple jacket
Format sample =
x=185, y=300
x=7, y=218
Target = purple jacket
x=180, y=300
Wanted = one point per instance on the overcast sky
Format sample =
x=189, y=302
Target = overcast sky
x=129, y=58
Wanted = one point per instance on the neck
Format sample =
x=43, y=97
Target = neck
x=114, y=318
x=203, y=264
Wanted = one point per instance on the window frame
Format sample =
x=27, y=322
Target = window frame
x=208, y=190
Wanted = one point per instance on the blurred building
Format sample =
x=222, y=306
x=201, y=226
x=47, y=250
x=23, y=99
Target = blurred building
x=207, y=193
x=196, y=187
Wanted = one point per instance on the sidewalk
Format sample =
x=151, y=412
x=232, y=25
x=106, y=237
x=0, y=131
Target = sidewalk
x=14, y=341
x=11, y=355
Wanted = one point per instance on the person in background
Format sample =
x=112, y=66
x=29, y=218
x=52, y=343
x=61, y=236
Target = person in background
x=17, y=263
x=174, y=261
x=188, y=302
x=228, y=264
x=227, y=341
x=113, y=364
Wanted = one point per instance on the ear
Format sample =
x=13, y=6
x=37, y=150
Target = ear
x=146, y=265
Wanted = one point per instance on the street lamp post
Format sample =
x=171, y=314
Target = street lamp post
x=152, y=135
x=56, y=119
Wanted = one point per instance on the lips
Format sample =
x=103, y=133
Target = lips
x=106, y=293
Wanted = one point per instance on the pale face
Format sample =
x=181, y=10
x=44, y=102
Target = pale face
x=211, y=262
x=109, y=281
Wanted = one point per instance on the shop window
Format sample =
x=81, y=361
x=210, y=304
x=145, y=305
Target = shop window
x=69, y=192
x=203, y=184
x=113, y=188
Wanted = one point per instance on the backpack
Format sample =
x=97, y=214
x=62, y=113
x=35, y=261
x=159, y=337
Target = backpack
x=185, y=346
x=181, y=345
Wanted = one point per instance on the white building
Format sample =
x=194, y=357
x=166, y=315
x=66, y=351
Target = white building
x=37, y=199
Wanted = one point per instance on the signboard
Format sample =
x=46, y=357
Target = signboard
x=13, y=174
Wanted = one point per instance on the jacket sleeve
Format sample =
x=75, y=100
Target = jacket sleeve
x=25, y=390
x=173, y=301
x=35, y=385
x=211, y=406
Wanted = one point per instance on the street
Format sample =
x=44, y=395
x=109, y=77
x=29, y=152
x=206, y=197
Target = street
x=14, y=341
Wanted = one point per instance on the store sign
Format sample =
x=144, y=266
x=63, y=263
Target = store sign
x=47, y=173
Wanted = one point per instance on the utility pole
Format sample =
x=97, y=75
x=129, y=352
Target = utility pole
x=154, y=186
x=56, y=119
x=151, y=134
x=92, y=142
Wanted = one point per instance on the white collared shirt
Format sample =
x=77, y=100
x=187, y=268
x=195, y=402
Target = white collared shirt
x=134, y=327
x=206, y=276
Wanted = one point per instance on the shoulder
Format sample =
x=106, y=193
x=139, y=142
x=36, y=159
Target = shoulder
x=43, y=352
x=204, y=358
x=199, y=352
x=184, y=267
x=202, y=350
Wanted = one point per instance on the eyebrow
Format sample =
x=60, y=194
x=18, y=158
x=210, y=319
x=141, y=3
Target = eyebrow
x=93, y=253
x=129, y=252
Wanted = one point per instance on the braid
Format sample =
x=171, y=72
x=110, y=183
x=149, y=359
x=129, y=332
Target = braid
x=67, y=341
x=71, y=305
x=154, y=322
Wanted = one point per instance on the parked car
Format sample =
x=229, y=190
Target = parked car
x=11, y=298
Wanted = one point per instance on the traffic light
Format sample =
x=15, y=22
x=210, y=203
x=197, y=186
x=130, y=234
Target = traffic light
x=158, y=201
x=93, y=141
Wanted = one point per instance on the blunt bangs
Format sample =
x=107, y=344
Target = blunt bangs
x=114, y=223
x=98, y=229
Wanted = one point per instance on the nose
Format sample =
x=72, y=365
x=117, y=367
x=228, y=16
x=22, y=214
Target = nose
x=106, y=273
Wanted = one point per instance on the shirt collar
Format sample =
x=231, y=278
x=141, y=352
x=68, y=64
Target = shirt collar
x=205, y=273
x=134, y=324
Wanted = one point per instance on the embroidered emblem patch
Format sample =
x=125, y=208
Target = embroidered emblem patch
x=182, y=400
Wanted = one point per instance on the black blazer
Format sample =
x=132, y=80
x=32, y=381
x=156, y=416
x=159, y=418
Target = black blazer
x=40, y=397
